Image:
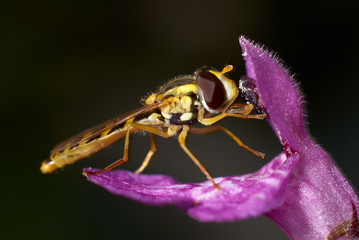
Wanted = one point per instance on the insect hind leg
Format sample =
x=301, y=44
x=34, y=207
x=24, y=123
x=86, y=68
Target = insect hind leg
x=139, y=127
x=119, y=162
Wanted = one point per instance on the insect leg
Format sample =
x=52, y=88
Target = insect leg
x=182, y=142
x=234, y=137
x=131, y=126
x=149, y=155
x=242, y=113
x=120, y=161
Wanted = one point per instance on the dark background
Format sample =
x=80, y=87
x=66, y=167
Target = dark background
x=67, y=66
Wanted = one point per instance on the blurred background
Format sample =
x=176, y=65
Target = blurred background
x=67, y=66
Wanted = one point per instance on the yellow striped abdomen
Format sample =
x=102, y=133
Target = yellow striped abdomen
x=85, y=149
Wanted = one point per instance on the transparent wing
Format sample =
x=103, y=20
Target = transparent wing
x=111, y=125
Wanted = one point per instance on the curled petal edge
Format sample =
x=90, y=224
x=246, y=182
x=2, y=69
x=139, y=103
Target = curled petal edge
x=240, y=197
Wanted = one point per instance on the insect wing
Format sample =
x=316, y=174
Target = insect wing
x=96, y=131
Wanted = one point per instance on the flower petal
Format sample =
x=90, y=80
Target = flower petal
x=240, y=197
x=278, y=93
x=318, y=199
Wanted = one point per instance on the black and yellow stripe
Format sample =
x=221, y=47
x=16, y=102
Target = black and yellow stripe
x=93, y=140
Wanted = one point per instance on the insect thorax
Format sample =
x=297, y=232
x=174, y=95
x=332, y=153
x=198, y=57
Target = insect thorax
x=182, y=104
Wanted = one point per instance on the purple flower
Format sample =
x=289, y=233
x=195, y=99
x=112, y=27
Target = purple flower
x=301, y=189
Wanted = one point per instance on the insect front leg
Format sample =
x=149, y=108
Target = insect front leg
x=243, y=113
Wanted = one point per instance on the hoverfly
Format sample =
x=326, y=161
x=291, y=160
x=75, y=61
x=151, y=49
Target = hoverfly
x=205, y=97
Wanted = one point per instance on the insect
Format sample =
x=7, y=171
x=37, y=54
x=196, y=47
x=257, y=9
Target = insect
x=205, y=97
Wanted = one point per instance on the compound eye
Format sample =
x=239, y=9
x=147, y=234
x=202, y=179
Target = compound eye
x=214, y=93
